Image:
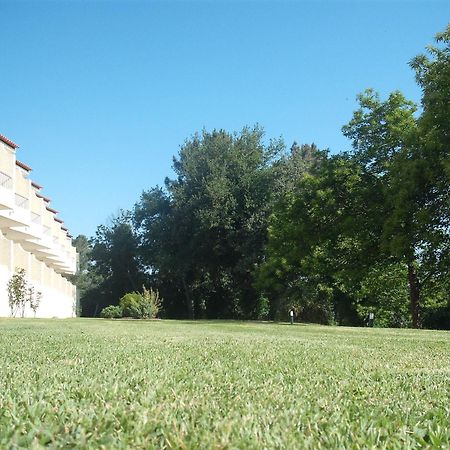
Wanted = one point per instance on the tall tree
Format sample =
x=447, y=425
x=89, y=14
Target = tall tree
x=84, y=279
x=167, y=249
x=411, y=158
x=212, y=222
x=115, y=263
x=432, y=155
x=383, y=136
x=300, y=160
x=320, y=242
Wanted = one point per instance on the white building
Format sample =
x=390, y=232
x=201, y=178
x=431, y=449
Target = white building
x=34, y=239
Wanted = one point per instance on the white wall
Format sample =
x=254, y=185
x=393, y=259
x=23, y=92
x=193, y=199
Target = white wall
x=53, y=303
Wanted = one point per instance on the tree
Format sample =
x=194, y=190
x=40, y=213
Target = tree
x=383, y=136
x=384, y=291
x=412, y=158
x=433, y=76
x=433, y=154
x=166, y=247
x=84, y=279
x=364, y=219
x=114, y=264
x=34, y=298
x=20, y=292
x=299, y=161
x=320, y=243
x=17, y=292
x=207, y=230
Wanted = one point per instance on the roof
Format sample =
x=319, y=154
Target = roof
x=35, y=185
x=43, y=198
x=8, y=142
x=57, y=219
x=23, y=166
x=51, y=210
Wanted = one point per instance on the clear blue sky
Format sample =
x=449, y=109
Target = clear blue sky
x=83, y=82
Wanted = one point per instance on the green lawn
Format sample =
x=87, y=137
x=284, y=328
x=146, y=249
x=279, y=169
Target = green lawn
x=87, y=383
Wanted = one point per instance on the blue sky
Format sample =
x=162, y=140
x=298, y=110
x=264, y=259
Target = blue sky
x=83, y=82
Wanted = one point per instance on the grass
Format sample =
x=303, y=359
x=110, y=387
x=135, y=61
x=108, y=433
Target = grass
x=87, y=383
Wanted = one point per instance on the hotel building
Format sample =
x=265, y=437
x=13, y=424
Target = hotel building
x=33, y=238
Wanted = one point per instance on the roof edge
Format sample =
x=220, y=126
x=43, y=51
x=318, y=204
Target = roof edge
x=23, y=166
x=35, y=185
x=8, y=142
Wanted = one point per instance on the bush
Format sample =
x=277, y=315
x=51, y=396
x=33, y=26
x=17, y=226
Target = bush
x=437, y=317
x=151, y=303
x=131, y=305
x=141, y=306
x=111, y=312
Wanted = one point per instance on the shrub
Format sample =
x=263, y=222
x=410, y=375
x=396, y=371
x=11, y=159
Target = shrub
x=437, y=317
x=151, y=303
x=141, y=306
x=131, y=305
x=263, y=308
x=34, y=298
x=111, y=312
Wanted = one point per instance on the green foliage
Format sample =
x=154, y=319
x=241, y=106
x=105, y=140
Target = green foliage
x=248, y=230
x=411, y=157
x=384, y=292
x=17, y=292
x=151, y=303
x=141, y=306
x=111, y=312
x=197, y=385
x=34, y=299
x=437, y=317
x=204, y=234
x=84, y=279
x=130, y=304
x=114, y=266
x=320, y=243
x=263, y=308
x=433, y=76
x=21, y=293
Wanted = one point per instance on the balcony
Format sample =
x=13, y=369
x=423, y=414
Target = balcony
x=6, y=192
x=35, y=227
x=48, y=250
x=8, y=219
x=47, y=231
x=36, y=218
x=21, y=201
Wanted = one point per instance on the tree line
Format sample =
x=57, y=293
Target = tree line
x=248, y=229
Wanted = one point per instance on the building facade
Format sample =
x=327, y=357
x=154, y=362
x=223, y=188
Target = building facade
x=33, y=238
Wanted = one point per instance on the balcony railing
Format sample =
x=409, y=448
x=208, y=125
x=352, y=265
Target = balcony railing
x=35, y=218
x=21, y=201
x=47, y=230
x=5, y=181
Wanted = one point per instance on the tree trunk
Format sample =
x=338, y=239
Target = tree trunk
x=414, y=295
x=189, y=300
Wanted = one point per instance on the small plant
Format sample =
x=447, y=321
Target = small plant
x=34, y=299
x=17, y=292
x=20, y=293
x=111, y=312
